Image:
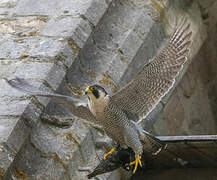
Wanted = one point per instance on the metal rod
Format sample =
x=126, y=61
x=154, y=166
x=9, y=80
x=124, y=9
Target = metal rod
x=187, y=138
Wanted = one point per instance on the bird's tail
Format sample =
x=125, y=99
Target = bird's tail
x=152, y=144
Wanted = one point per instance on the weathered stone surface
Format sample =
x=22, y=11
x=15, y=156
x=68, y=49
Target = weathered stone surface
x=91, y=9
x=66, y=26
x=7, y=157
x=32, y=47
x=43, y=7
x=7, y=3
x=57, y=149
x=22, y=26
x=6, y=126
x=13, y=107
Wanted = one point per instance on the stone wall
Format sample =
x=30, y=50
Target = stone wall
x=62, y=45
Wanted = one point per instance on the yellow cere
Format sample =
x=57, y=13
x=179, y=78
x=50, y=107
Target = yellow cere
x=90, y=90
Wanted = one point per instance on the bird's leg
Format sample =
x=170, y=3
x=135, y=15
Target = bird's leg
x=110, y=152
x=136, y=162
x=139, y=130
x=132, y=139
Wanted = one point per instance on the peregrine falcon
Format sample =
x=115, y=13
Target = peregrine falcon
x=118, y=113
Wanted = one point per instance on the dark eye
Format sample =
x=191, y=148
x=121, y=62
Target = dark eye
x=95, y=92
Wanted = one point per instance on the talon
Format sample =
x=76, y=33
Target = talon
x=136, y=162
x=110, y=152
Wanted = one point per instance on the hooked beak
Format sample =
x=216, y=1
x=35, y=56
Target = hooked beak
x=87, y=91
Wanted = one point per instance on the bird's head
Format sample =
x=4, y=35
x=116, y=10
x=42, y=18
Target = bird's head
x=96, y=92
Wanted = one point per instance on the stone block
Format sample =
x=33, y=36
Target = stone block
x=18, y=135
x=14, y=131
x=10, y=107
x=4, y=11
x=6, y=91
x=96, y=10
x=6, y=44
x=130, y=46
x=22, y=26
x=6, y=127
x=7, y=157
x=90, y=9
x=74, y=27
x=45, y=164
x=34, y=47
x=116, y=68
x=43, y=47
x=51, y=8
x=41, y=71
x=55, y=148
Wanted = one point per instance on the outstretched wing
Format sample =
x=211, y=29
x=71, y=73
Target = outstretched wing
x=142, y=94
x=74, y=105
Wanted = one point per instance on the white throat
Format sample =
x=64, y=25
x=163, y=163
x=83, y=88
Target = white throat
x=97, y=105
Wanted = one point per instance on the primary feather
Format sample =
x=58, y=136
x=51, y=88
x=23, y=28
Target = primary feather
x=142, y=94
x=75, y=105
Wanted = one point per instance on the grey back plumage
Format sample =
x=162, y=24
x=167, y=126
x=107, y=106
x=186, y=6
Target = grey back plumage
x=142, y=94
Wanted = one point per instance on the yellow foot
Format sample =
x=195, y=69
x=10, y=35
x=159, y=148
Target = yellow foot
x=136, y=162
x=110, y=152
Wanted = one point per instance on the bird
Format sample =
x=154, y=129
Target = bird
x=120, y=113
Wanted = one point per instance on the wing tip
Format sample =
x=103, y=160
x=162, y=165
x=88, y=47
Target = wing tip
x=181, y=32
x=13, y=82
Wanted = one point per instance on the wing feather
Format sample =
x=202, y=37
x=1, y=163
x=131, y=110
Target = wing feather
x=75, y=105
x=142, y=94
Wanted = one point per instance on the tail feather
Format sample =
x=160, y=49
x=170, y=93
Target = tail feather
x=152, y=144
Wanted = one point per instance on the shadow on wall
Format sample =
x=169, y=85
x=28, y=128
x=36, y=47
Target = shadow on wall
x=178, y=174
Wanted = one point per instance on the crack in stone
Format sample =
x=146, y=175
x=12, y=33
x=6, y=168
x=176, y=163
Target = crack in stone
x=107, y=81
